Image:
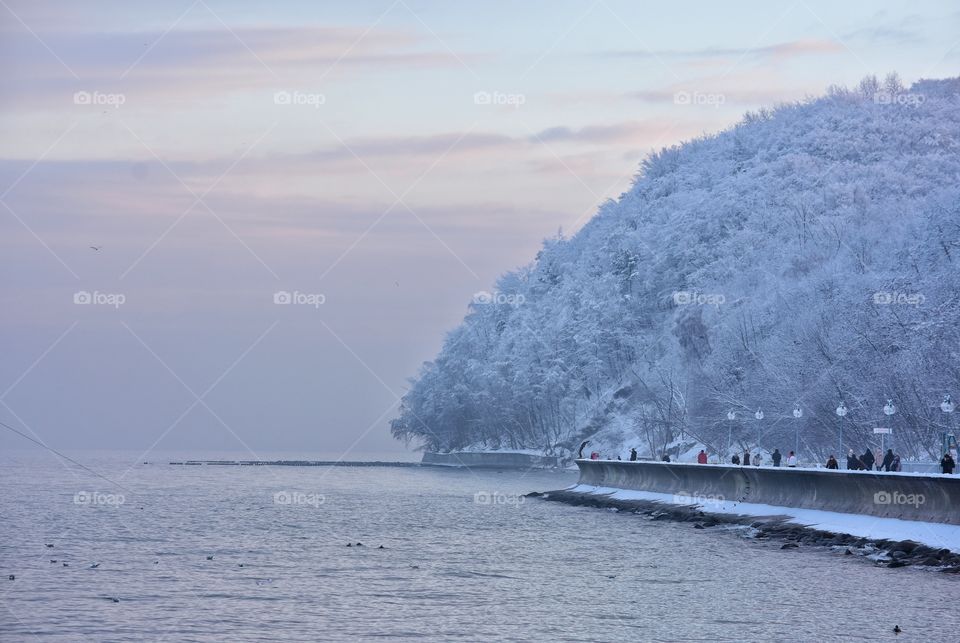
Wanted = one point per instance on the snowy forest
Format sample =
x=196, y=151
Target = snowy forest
x=805, y=258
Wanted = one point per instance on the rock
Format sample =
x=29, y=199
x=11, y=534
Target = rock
x=931, y=561
x=897, y=563
x=848, y=552
x=698, y=526
x=12, y=577
x=789, y=546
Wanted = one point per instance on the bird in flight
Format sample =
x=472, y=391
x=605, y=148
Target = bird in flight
x=96, y=248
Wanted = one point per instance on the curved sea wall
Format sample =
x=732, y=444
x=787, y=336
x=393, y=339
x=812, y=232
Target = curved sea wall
x=491, y=459
x=886, y=495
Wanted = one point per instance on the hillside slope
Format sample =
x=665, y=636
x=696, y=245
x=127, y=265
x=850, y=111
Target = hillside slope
x=806, y=256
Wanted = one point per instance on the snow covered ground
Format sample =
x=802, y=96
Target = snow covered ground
x=931, y=534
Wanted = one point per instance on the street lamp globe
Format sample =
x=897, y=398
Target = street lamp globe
x=947, y=405
x=889, y=408
x=842, y=410
x=731, y=416
x=758, y=414
x=797, y=412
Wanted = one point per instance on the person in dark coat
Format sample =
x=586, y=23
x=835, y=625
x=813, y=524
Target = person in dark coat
x=887, y=460
x=633, y=455
x=777, y=456
x=867, y=459
x=735, y=459
x=832, y=463
x=853, y=462
x=895, y=465
x=947, y=463
x=746, y=458
x=665, y=458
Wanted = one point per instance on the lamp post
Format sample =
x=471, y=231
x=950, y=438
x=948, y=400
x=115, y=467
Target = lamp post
x=947, y=406
x=731, y=416
x=759, y=416
x=888, y=409
x=797, y=413
x=842, y=413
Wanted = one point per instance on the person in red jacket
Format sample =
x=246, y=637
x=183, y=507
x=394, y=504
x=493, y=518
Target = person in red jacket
x=702, y=457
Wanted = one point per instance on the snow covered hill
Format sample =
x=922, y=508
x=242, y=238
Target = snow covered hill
x=807, y=256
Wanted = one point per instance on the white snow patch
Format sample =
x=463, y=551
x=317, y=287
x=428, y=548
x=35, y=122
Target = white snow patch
x=931, y=534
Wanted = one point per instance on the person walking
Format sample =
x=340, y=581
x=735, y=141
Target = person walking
x=867, y=459
x=746, y=458
x=895, y=465
x=665, y=458
x=792, y=460
x=633, y=455
x=832, y=463
x=777, y=457
x=757, y=460
x=947, y=463
x=887, y=460
x=853, y=462
x=702, y=457
x=735, y=459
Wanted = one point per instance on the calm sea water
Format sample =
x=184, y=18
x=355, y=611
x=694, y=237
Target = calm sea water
x=465, y=557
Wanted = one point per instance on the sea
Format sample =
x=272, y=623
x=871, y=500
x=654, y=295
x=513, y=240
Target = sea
x=151, y=551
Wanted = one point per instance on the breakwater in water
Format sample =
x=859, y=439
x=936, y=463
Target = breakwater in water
x=500, y=459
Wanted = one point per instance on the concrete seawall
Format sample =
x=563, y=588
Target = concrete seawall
x=888, y=495
x=491, y=459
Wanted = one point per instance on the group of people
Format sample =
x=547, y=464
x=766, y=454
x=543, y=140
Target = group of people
x=757, y=459
x=865, y=462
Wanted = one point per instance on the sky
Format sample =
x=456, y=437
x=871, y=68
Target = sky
x=232, y=226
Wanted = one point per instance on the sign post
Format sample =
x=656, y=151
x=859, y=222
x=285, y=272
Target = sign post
x=882, y=431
